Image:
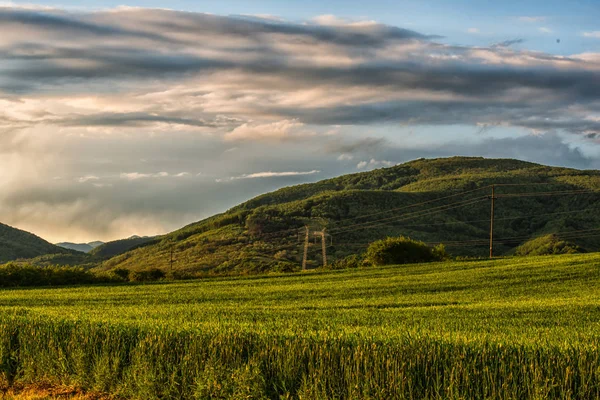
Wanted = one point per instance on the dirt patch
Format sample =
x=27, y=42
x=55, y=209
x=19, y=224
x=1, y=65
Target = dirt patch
x=50, y=392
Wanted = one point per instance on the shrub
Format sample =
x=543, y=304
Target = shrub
x=403, y=250
x=149, y=275
x=285, y=266
x=121, y=274
x=20, y=275
x=353, y=261
x=547, y=245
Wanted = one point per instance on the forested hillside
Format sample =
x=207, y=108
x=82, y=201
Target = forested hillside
x=441, y=200
x=116, y=247
x=16, y=244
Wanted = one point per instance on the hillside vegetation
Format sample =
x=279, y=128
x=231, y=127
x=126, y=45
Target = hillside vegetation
x=16, y=244
x=524, y=328
x=116, y=247
x=440, y=200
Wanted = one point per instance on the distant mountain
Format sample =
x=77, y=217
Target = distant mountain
x=440, y=200
x=114, y=248
x=81, y=247
x=17, y=244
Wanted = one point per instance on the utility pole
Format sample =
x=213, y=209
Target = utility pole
x=171, y=258
x=324, y=245
x=306, y=239
x=493, y=198
x=323, y=235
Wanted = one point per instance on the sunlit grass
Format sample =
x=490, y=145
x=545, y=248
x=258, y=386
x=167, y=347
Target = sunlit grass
x=511, y=328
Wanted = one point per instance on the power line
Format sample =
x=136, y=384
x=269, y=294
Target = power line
x=416, y=204
x=438, y=209
x=501, y=219
x=554, y=193
x=484, y=242
x=412, y=215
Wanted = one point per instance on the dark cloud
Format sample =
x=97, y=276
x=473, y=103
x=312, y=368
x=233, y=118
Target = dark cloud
x=131, y=119
x=535, y=91
x=367, y=35
x=67, y=24
x=360, y=145
x=508, y=43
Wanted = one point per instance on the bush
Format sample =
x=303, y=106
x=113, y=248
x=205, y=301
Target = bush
x=21, y=275
x=149, y=275
x=547, y=245
x=353, y=261
x=403, y=250
x=121, y=274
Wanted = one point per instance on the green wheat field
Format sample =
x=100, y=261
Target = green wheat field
x=525, y=328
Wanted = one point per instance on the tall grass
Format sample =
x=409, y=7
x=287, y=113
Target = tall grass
x=488, y=330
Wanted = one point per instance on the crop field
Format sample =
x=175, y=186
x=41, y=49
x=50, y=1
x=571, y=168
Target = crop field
x=524, y=328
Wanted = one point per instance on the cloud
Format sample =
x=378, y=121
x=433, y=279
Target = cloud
x=257, y=79
x=593, y=34
x=260, y=175
x=374, y=164
x=345, y=157
x=275, y=131
x=87, y=178
x=508, y=43
x=129, y=120
x=134, y=176
x=532, y=19
x=367, y=144
x=543, y=29
x=473, y=30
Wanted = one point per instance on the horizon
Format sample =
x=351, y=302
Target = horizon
x=132, y=120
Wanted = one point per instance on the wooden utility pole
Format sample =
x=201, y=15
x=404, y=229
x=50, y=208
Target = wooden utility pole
x=306, y=239
x=324, y=246
x=493, y=198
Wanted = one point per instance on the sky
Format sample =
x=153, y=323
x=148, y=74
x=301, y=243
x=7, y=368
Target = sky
x=121, y=119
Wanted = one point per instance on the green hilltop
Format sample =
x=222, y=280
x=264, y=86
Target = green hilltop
x=439, y=200
x=17, y=244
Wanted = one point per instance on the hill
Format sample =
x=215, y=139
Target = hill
x=81, y=247
x=440, y=200
x=17, y=244
x=114, y=248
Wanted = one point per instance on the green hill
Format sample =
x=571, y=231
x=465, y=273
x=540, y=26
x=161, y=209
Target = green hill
x=116, y=247
x=440, y=200
x=17, y=244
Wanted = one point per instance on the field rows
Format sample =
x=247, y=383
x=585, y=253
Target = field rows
x=521, y=328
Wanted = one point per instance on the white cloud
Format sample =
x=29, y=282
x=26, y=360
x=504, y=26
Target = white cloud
x=594, y=34
x=332, y=20
x=25, y=6
x=473, y=30
x=103, y=185
x=269, y=174
x=374, y=164
x=276, y=131
x=87, y=178
x=532, y=20
x=543, y=29
x=345, y=157
x=133, y=176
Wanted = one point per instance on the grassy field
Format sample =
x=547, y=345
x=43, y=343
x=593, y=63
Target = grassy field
x=524, y=328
